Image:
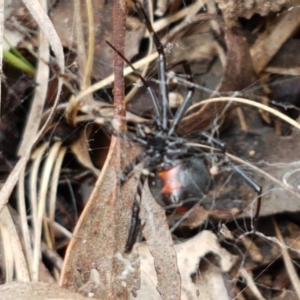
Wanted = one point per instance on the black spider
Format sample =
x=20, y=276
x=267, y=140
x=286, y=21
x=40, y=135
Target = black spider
x=176, y=172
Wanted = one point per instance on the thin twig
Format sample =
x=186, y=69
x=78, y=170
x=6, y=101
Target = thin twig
x=119, y=19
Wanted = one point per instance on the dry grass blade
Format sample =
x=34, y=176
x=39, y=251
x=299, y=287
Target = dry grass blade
x=47, y=169
x=48, y=29
x=7, y=254
x=12, y=179
x=189, y=15
x=110, y=79
x=24, y=221
x=85, y=62
x=21, y=270
x=53, y=194
x=241, y=101
x=91, y=44
x=49, y=221
x=250, y=283
x=40, y=93
x=33, y=194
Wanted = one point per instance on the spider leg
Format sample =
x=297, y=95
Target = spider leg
x=176, y=152
x=127, y=136
x=161, y=64
x=128, y=169
x=149, y=89
x=135, y=226
x=140, y=132
x=186, y=102
x=253, y=184
x=214, y=141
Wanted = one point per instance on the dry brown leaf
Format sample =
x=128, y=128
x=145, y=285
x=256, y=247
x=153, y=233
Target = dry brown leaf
x=36, y=291
x=81, y=150
x=234, y=9
x=276, y=165
x=237, y=75
x=158, y=237
x=276, y=156
x=289, y=264
x=287, y=56
x=189, y=254
x=99, y=239
x=269, y=43
x=212, y=282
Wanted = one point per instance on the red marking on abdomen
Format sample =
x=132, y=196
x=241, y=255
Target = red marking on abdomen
x=170, y=180
x=182, y=210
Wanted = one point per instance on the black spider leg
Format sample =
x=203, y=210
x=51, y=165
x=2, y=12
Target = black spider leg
x=161, y=64
x=135, y=226
x=214, y=141
x=129, y=168
x=186, y=102
x=150, y=91
x=139, y=158
x=251, y=182
x=125, y=136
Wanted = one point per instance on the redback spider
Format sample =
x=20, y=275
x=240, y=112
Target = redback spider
x=176, y=172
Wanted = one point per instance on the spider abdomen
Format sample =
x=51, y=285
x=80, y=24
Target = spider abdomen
x=181, y=186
